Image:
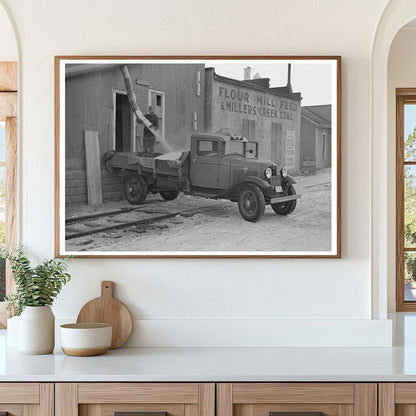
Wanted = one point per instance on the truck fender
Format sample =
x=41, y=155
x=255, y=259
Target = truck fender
x=261, y=183
x=291, y=179
x=235, y=190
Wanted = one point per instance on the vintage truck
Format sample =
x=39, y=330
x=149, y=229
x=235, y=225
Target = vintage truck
x=219, y=165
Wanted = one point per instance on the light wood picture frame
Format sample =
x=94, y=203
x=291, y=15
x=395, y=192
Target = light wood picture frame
x=198, y=156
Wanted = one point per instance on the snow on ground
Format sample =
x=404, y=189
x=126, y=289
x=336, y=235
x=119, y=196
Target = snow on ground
x=216, y=225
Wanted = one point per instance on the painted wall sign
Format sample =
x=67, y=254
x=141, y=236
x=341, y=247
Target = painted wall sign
x=243, y=102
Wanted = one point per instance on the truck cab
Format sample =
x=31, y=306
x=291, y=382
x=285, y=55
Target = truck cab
x=226, y=166
x=218, y=161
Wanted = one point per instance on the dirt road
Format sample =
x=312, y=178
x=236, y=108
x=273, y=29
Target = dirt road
x=199, y=224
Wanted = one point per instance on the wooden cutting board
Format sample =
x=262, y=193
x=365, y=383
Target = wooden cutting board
x=107, y=309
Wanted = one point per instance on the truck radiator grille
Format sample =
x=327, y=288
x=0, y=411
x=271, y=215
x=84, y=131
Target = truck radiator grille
x=275, y=180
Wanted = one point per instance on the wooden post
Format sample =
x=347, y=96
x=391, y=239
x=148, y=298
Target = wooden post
x=93, y=166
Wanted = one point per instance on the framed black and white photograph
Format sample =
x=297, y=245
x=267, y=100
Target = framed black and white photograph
x=198, y=156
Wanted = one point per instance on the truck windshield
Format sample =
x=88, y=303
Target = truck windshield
x=235, y=147
x=248, y=150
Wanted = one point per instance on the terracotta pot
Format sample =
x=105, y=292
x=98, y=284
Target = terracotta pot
x=37, y=330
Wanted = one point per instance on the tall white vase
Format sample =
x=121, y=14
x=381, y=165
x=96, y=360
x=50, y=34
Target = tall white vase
x=37, y=330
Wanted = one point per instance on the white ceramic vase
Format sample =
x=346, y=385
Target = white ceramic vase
x=37, y=330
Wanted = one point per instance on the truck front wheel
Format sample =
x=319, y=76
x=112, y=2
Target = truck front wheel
x=285, y=208
x=135, y=189
x=251, y=203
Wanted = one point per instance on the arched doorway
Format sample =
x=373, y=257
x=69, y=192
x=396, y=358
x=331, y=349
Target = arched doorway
x=396, y=15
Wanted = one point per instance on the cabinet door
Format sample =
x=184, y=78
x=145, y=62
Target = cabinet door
x=142, y=399
x=397, y=399
x=297, y=399
x=26, y=399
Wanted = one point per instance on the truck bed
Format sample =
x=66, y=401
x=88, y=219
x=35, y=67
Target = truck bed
x=170, y=164
x=173, y=163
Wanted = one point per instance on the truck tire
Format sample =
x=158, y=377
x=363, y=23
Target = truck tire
x=135, y=189
x=251, y=203
x=286, y=208
x=169, y=195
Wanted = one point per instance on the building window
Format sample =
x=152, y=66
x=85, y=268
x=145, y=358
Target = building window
x=157, y=100
x=249, y=129
x=406, y=200
x=276, y=139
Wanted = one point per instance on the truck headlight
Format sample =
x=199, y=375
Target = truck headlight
x=283, y=172
x=268, y=173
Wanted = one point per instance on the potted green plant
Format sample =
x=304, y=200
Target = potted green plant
x=36, y=289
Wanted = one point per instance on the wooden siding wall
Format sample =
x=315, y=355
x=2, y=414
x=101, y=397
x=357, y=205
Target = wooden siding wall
x=320, y=162
x=308, y=140
x=76, y=187
x=89, y=106
x=311, y=144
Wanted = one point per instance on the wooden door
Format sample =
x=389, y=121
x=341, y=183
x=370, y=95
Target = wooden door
x=276, y=144
x=205, y=163
x=27, y=399
x=297, y=399
x=152, y=399
x=397, y=399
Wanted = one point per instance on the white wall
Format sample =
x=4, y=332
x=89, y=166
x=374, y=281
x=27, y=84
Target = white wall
x=223, y=301
x=8, y=46
x=401, y=74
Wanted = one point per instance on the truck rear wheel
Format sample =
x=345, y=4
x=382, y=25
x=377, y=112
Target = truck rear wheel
x=135, y=189
x=251, y=203
x=285, y=208
x=169, y=195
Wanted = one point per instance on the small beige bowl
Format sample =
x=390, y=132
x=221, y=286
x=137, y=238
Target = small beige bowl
x=83, y=340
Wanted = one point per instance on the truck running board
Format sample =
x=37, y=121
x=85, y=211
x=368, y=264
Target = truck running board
x=203, y=194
